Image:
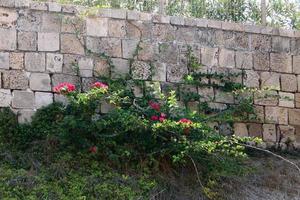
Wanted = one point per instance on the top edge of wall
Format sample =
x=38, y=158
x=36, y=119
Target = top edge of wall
x=151, y=17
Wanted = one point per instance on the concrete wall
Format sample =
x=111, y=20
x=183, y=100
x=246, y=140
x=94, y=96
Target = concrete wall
x=43, y=44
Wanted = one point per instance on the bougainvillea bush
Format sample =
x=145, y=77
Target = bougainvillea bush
x=111, y=126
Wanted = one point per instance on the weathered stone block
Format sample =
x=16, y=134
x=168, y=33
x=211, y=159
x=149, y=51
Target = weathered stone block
x=54, y=62
x=4, y=60
x=54, y=7
x=27, y=41
x=295, y=43
x=147, y=51
x=175, y=73
x=8, y=18
x=168, y=52
x=255, y=130
x=209, y=56
x=217, y=106
x=70, y=65
x=97, y=27
x=261, y=61
x=177, y=20
x=260, y=42
x=113, y=13
x=138, y=29
x=86, y=83
x=38, y=6
x=159, y=72
x=270, y=80
x=186, y=34
x=15, y=79
x=16, y=60
x=251, y=79
x=140, y=70
x=72, y=24
x=286, y=134
x=240, y=129
x=109, y=46
x=43, y=99
x=281, y=62
x=297, y=100
x=164, y=32
x=224, y=97
x=206, y=37
x=48, y=41
x=101, y=68
x=29, y=21
x=25, y=115
x=5, y=98
x=51, y=22
x=226, y=58
x=133, y=15
x=129, y=48
x=269, y=133
x=121, y=68
x=244, y=60
x=296, y=64
x=286, y=99
x=294, y=116
x=61, y=99
x=35, y=62
x=280, y=44
x=86, y=66
x=40, y=82
x=106, y=107
x=61, y=78
x=71, y=44
x=10, y=42
x=206, y=94
x=288, y=82
x=23, y=99
x=117, y=28
x=268, y=98
x=7, y=3
x=276, y=115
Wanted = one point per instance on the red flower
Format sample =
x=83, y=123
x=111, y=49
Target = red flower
x=154, y=118
x=161, y=119
x=64, y=88
x=93, y=149
x=99, y=85
x=154, y=105
x=185, y=121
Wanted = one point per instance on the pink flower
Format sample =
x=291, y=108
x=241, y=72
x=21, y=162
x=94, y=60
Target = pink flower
x=161, y=119
x=163, y=115
x=154, y=118
x=64, y=88
x=99, y=85
x=154, y=105
x=185, y=121
x=93, y=149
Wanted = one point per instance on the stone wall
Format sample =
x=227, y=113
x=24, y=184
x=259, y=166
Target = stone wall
x=40, y=44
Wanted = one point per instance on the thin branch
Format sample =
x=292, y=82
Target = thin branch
x=160, y=192
x=197, y=172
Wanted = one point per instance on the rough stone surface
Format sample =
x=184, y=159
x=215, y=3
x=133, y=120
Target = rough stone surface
x=23, y=99
x=280, y=44
x=48, y=41
x=27, y=41
x=25, y=115
x=244, y=60
x=10, y=42
x=140, y=70
x=269, y=133
x=288, y=82
x=294, y=116
x=54, y=62
x=121, y=68
x=209, y=56
x=251, y=78
x=40, y=82
x=240, y=129
x=60, y=78
x=86, y=66
x=15, y=79
x=71, y=44
x=43, y=99
x=226, y=58
x=4, y=60
x=35, y=62
x=117, y=28
x=101, y=68
x=267, y=98
x=8, y=18
x=110, y=47
x=175, y=73
x=97, y=27
x=5, y=98
x=270, y=80
x=16, y=60
x=281, y=62
x=160, y=72
x=296, y=64
x=129, y=48
x=261, y=61
x=276, y=115
x=255, y=130
x=261, y=42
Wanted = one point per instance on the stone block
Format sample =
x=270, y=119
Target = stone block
x=209, y=56
x=133, y=15
x=86, y=83
x=86, y=66
x=25, y=115
x=255, y=130
x=106, y=107
x=206, y=37
x=296, y=64
x=117, y=28
x=286, y=134
x=16, y=60
x=48, y=41
x=176, y=73
x=27, y=41
x=168, y=52
x=186, y=34
x=7, y=3
x=129, y=48
x=286, y=99
x=101, y=68
x=164, y=32
x=54, y=7
x=240, y=129
x=4, y=60
x=288, y=82
x=244, y=60
x=70, y=64
x=43, y=99
x=109, y=46
x=40, y=82
x=61, y=99
x=269, y=133
x=139, y=29
x=15, y=79
x=226, y=58
x=297, y=100
x=177, y=20
x=260, y=113
x=23, y=99
x=217, y=106
x=224, y=97
x=294, y=116
x=8, y=18
x=51, y=22
x=29, y=21
x=267, y=98
x=71, y=44
x=280, y=44
x=147, y=51
x=206, y=94
x=162, y=19
x=251, y=79
x=97, y=27
x=281, y=62
x=270, y=80
x=261, y=61
x=121, y=68
x=5, y=98
x=10, y=42
x=261, y=42
x=113, y=13
x=159, y=72
x=276, y=115
x=54, y=62
x=35, y=62
x=62, y=78
x=72, y=24
x=38, y=6
x=295, y=43
x=140, y=70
